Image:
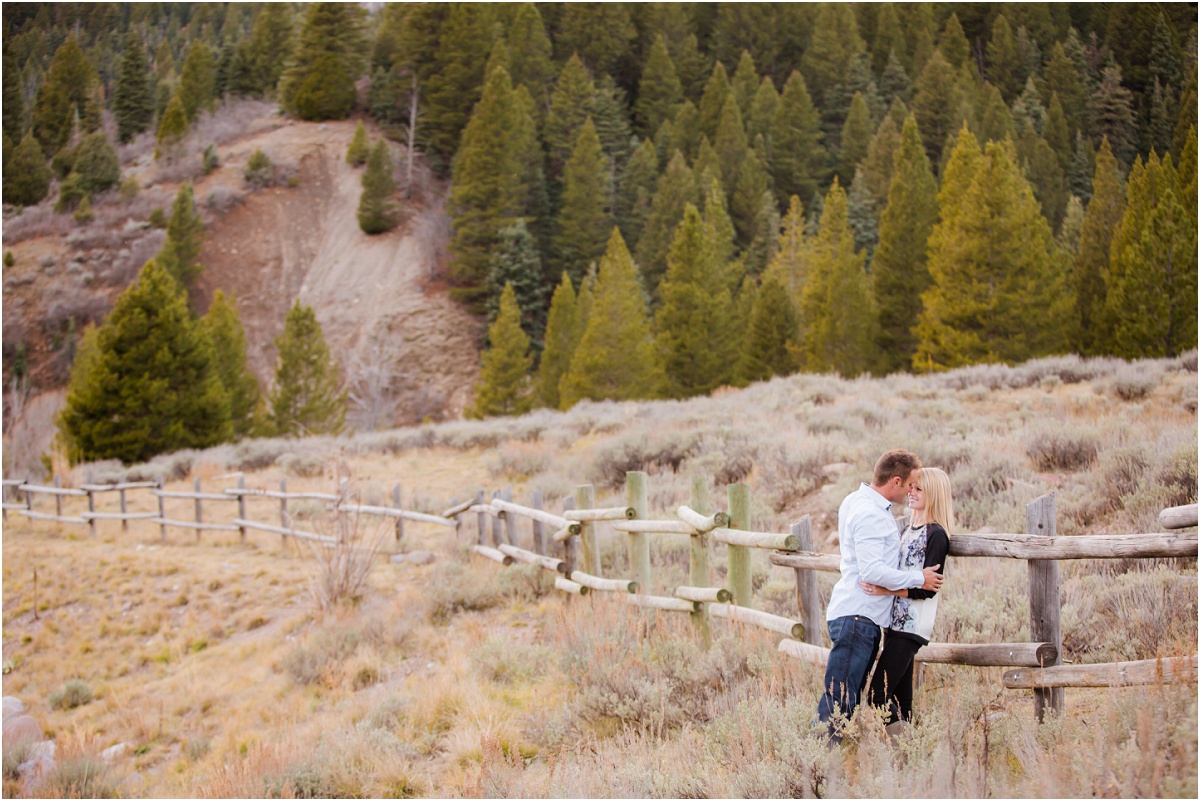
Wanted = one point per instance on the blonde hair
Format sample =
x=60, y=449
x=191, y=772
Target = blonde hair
x=939, y=505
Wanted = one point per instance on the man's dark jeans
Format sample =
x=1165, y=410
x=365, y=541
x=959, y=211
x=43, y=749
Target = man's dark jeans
x=855, y=643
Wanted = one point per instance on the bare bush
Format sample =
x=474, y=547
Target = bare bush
x=133, y=150
x=34, y=222
x=343, y=566
x=374, y=381
x=1062, y=448
x=223, y=198
x=652, y=452
x=431, y=232
x=128, y=264
x=76, y=308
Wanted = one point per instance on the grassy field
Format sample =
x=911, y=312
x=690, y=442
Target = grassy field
x=212, y=661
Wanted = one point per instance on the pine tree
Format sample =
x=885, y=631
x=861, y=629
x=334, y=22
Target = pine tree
x=953, y=43
x=937, y=105
x=659, y=91
x=1057, y=133
x=1151, y=301
x=1111, y=109
x=746, y=199
x=855, y=138
x=764, y=235
x=716, y=91
x=1003, y=61
x=900, y=272
x=1162, y=121
x=636, y=192
x=585, y=222
x=798, y=158
x=730, y=143
x=995, y=121
x=197, y=80
x=228, y=339
x=681, y=133
x=330, y=54
x=172, y=128
x=697, y=348
x=719, y=228
x=676, y=188
x=503, y=387
x=616, y=358
x=857, y=80
x=1029, y=107
x=612, y=127
x=757, y=28
x=185, y=235
x=377, y=211
x=360, y=147
x=306, y=398
x=837, y=310
x=771, y=334
x=516, y=263
x=889, y=42
x=601, y=34
x=563, y=332
x=1164, y=61
x=894, y=83
x=133, y=100
x=878, y=164
x=63, y=96
x=1083, y=164
x=762, y=113
x=26, y=175
x=12, y=108
x=835, y=43
x=572, y=102
x=862, y=217
x=268, y=48
x=998, y=292
x=453, y=85
x=692, y=66
x=790, y=266
x=1186, y=118
x=532, y=55
x=97, y=167
x=707, y=166
x=145, y=383
x=1072, y=228
x=745, y=83
x=1061, y=77
x=1047, y=179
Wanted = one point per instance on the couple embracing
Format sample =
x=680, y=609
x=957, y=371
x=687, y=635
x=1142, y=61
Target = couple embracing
x=889, y=582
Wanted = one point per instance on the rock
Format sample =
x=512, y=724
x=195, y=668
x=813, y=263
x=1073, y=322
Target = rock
x=421, y=558
x=21, y=727
x=48, y=261
x=74, y=268
x=397, y=558
x=12, y=706
x=34, y=771
x=86, y=278
x=113, y=753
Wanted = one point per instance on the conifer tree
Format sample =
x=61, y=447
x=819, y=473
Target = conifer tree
x=185, y=234
x=532, y=55
x=1186, y=118
x=1091, y=263
x=791, y=261
x=889, y=42
x=716, y=91
x=1072, y=229
x=771, y=333
x=572, y=102
x=855, y=138
x=1057, y=133
x=746, y=198
x=616, y=358
x=998, y=292
x=63, y=96
x=360, y=147
x=197, y=80
x=585, y=222
x=764, y=235
x=697, y=347
x=676, y=188
x=762, y=112
x=97, y=167
x=878, y=164
x=376, y=209
x=562, y=337
x=730, y=144
x=12, y=107
x=995, y=121
x=612, y=127
x=1061, y=77
x=1083, y=163
x=936, y=105
x=330, y=54
x=681, y=133
x=862, y=217
x=133, y=100
x=692, y=66
x=1047, y=179
x=707, y=166
x=516, y=263
x=307, y=398
x=1028, y=107
x=146, y=383
x=601, y=34
x=837, y=310
x=953, y=43
x=26, y=175
x=503, y=387
x=172, y=128
x=920, y=28
x=857, y=80
x=1111, y=109
x=228, y=338
x=798, y=157
x=835, y=43
x=900, y=272
x=453, y=87
x=268, y=48
x=894, y=83
x=721, y=234
x=659, y=91
x=1162, y=120
x=1003, y=62
x=745, y=83
x=636, y=192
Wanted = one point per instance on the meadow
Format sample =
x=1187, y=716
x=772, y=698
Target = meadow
x=213, y=662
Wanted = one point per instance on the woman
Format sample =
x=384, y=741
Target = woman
x=924, y=542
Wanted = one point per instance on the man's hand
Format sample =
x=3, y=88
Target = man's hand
x=933, y=579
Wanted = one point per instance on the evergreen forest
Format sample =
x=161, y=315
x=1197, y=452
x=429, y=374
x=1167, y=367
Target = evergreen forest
x=654, y=200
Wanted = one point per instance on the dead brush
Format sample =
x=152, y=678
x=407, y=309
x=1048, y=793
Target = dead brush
x=345, y=554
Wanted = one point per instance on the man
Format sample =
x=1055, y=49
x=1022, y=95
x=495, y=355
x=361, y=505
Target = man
x=870, y=549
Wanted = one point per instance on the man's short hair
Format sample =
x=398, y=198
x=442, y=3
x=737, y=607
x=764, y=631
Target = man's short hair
x=898, y=462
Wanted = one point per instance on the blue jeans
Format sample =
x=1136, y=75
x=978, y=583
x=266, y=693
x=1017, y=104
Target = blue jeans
x=855, y=642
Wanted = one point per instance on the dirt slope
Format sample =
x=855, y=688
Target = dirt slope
x=370, y=294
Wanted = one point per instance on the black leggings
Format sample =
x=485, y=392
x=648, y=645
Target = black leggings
x=892, y=684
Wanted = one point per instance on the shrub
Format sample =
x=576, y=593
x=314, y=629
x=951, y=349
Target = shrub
x=301, y=465
x=158, y=218
x=1062, y=448
x=211, y=160
x=129, y=189
x=79, y=776
x=1177, y=475
x=222, y=198
x=321, y=658
x=360, y=147
x=9, y=259
x=651, y=452
x=258, y=171
x=455, y=592
x=26, y=176
x=96, y=164
x=343, y=567
x=83, y=214
x=70, y=192
x=72, y=694
x=1122, y=469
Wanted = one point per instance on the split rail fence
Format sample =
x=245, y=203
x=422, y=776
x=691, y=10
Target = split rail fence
x=568, y=545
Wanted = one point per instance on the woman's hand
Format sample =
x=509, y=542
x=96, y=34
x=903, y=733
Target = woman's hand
x=875, y=589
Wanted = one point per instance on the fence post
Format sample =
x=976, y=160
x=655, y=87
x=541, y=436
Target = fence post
x=510, y=523
x=124, y=522
x=497, y=524
x=1045, y=618
x=480, y=517
x=570, y=544
x=91, y=508
x=58, y=498
x=28, y=496
x=739, y=555
x=283, y=512
x=585, y=498
x=698, y=560
x=242, y=508
x=196, y=501
x=807, y=596
x=539, y=528
x=399, y=520
x=637, y=496
x=162, y=511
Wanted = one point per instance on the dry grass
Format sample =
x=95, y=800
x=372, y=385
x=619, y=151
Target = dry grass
x=462, y=678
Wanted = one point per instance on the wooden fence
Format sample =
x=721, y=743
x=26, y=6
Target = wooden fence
x=567, y=544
